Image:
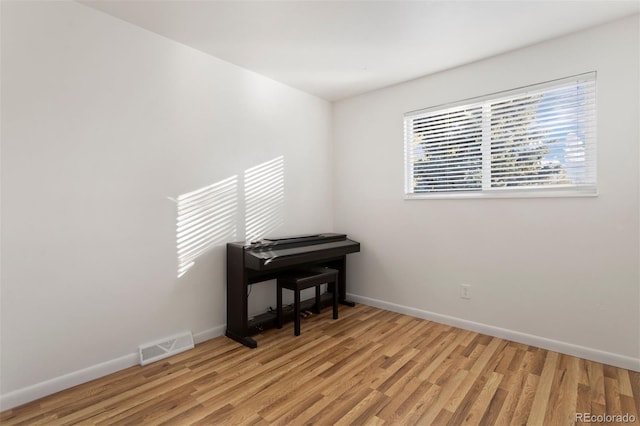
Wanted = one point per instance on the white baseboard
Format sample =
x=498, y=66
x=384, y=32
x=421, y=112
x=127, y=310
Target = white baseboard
x=39, y=390
x=57, y=384
x=597, y=355
x=209, y=334
x=48, y=387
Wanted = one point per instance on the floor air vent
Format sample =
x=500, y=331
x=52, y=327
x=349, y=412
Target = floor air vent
x=164, y=348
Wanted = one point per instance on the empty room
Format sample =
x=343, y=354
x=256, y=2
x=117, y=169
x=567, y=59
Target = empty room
x=320, y=212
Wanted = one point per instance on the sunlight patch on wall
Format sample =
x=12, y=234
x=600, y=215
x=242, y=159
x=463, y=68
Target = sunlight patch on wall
x=206, y=217
x=264, y=198
x=212, y=215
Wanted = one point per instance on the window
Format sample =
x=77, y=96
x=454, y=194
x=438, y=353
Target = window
x=537, y=140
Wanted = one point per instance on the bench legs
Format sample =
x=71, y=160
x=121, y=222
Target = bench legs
x=296, y=311
x=335, y=299
x=279, y=307
x=296, y=304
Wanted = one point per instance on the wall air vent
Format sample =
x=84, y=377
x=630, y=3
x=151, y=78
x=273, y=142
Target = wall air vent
x=166, y=347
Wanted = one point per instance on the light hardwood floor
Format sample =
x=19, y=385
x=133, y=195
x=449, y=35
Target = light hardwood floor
x=369, y=367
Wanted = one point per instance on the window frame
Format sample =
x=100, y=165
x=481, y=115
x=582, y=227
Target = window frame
x=570, y=190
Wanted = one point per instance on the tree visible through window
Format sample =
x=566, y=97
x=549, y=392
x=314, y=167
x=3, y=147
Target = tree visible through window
x=537, y=138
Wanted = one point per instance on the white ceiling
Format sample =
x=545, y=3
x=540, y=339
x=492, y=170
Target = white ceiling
x=336, y=49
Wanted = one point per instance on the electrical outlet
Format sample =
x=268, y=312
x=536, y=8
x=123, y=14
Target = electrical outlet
x=465, y=291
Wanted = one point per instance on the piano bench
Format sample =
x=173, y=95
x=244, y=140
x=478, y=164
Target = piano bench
x=298, y=280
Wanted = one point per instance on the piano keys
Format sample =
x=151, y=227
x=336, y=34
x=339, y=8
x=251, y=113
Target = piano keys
x=263, y=260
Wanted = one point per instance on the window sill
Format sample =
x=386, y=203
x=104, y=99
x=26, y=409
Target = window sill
x=558, y=193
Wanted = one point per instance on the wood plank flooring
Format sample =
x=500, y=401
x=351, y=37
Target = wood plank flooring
x=370, y=367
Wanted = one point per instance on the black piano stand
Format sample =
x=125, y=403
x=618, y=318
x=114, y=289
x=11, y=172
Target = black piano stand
x=241, y=275
x=245, y=340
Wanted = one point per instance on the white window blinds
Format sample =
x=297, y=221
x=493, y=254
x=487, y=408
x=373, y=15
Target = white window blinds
x=536, y=139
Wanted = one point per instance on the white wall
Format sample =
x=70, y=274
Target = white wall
x=559, y=272
x=101, y=122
